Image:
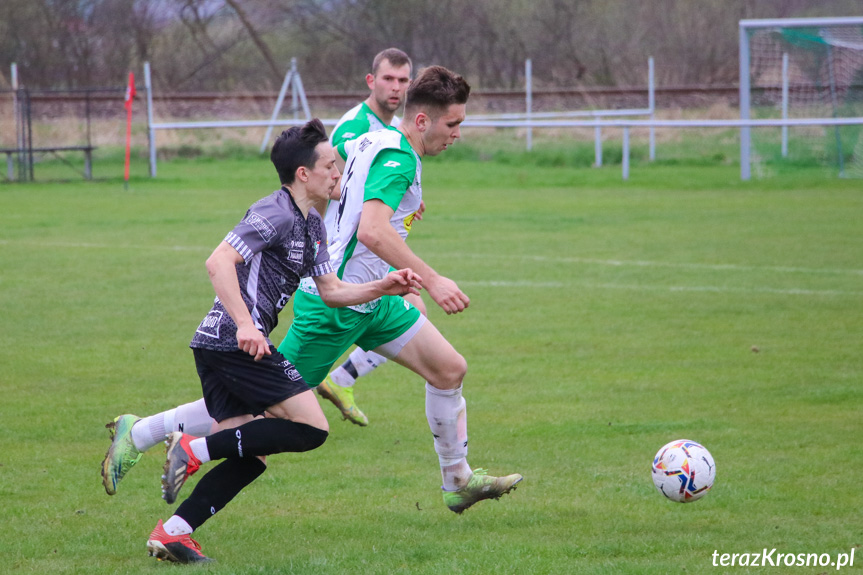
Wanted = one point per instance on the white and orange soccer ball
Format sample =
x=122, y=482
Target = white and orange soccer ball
x=683, y=470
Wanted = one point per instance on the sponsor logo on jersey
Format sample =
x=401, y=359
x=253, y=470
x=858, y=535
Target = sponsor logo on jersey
x=392, y=164
x=210, y=325
x=261, y=225
x=409, y=221
x=283, y=301
x=348, y=136
x=296, y=256
x=364, y=143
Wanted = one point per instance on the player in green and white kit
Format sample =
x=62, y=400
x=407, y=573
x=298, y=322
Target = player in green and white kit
x=380, y=195
x=388, y=82
x=380, y=166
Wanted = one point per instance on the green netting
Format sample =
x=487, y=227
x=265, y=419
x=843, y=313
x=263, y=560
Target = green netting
x=823, y=79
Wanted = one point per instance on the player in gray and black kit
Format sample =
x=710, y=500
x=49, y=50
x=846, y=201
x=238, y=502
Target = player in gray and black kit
x=254, y=272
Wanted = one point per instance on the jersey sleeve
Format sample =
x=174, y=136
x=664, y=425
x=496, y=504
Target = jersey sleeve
x=390, y=175
x=322, y=266
x=349, y=130
x=342, y=150
x=258, y=229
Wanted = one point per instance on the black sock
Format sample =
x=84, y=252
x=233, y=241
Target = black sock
x=218, y=487
x=265, y=437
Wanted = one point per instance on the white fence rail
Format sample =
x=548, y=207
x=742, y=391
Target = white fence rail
x=597, y=124
x=626, y=125
x=596, y=119
x=293, y=78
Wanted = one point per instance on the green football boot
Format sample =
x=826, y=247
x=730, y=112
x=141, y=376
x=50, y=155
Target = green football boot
x=480, y=486
x=343, y=398
x=122, y=455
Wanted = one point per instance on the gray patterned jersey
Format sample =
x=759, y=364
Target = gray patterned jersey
x=279, y=247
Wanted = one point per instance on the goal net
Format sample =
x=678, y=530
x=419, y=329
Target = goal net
x=804, y=68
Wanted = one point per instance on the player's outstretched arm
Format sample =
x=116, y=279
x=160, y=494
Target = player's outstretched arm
x=337, y=293
x=376, y=233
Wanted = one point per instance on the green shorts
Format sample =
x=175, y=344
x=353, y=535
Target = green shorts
x=320, y=335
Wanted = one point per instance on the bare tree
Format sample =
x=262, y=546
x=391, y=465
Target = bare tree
x=245, y=44
x=256, y=38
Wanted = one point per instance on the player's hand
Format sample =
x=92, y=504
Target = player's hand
x=447, y=295
x=419, y=213
x=253, y=342
x=402, y=282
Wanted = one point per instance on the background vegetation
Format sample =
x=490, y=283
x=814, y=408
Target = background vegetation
x=230, y=45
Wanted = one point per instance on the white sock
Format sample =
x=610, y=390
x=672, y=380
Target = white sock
x=199, y=449
x=446, y=411
x=364, y=362
x=194, y=419
x=152, y=430
x=342, y=378
x=176, y=525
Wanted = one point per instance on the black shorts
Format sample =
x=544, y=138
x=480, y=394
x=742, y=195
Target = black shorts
x=235, y=384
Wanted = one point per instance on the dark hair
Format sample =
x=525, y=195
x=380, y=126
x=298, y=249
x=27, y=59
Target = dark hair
x=295, y=147
x=435, y=89
x=395, y=57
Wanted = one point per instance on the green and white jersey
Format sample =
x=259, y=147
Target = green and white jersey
x=379, y=166
x=357, y=121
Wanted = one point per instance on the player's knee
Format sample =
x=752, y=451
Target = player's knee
x=317, y=437
x=452, y=371
x=283, y=435
x=307, y=437
x=317, y=421
x=460, y=367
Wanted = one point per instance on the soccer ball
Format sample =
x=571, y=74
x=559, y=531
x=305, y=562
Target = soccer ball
x=683, y=470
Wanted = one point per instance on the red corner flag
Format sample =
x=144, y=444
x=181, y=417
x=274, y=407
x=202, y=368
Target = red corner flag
x=130, y=94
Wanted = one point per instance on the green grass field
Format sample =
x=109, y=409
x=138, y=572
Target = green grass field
x=607, y=318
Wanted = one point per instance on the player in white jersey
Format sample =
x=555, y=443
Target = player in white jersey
x=388, y=83
x=380, y=193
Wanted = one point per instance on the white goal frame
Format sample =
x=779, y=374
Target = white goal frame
x=746, y=26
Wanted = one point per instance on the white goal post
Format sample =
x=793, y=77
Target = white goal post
x=829, y=65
